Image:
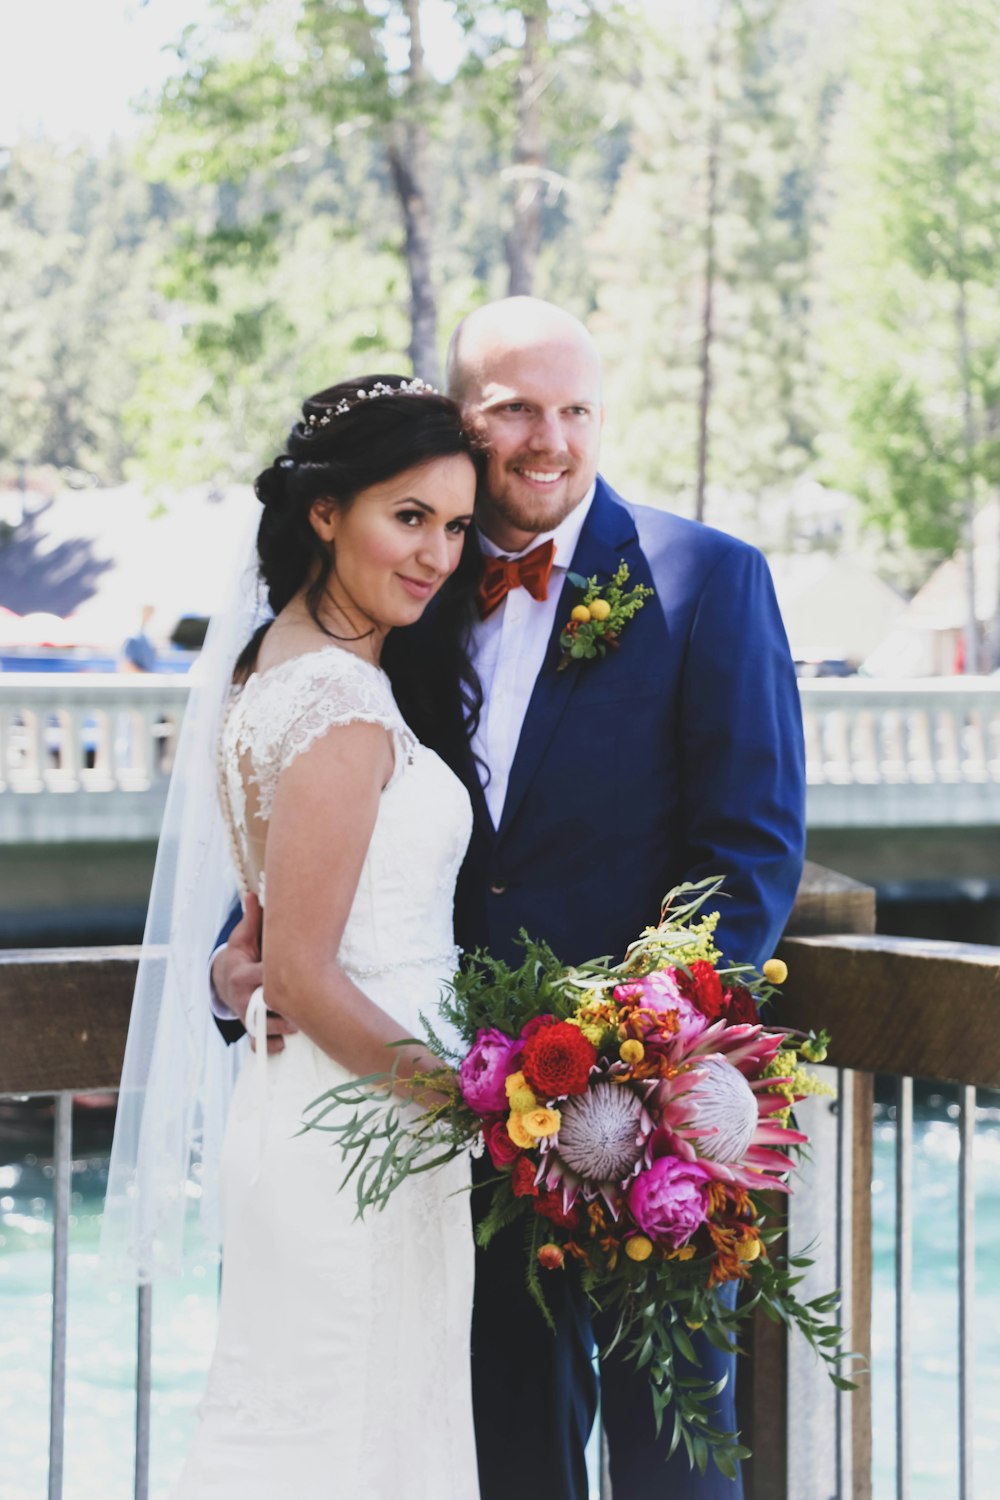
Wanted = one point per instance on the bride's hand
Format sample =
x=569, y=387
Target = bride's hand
x=237, y=971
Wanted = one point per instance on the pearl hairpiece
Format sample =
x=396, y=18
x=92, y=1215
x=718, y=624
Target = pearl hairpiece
x=414, y=387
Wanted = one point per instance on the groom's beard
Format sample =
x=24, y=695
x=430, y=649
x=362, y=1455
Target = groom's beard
x=522, y=505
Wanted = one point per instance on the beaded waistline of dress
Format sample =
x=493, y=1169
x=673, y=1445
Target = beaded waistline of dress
x=448, y=959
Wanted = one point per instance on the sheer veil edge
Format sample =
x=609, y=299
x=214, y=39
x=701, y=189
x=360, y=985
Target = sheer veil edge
x=178, y=1073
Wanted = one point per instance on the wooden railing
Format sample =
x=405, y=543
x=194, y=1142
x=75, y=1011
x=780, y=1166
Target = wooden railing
x=906, y=1008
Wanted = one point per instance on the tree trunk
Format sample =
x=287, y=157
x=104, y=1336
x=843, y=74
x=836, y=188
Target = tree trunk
x=407, y=152
x=524, y=238
x=971, y=632
x=710, y=273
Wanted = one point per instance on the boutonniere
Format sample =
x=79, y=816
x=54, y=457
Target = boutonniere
x=598, y=620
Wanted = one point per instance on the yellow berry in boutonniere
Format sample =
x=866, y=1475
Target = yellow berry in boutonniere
x=748, y=1249
x=638, y=1247
x=631, y=1052
x=580, y=613
x=775, y=971
x=599, y=610
x=518, y=1134
x=693, y=1324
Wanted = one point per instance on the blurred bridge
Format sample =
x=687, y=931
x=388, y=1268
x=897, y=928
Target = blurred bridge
x=903, y=785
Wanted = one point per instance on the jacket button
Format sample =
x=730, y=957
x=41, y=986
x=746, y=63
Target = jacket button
x=498, y=889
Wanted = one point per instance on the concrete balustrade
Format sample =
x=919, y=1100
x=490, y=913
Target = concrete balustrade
x=880, y=754
x=917, y=754
x=86, y=756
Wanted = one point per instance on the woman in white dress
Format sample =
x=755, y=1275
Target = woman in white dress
x=342, y=1362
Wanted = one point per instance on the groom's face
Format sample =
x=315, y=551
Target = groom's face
x=538, y=410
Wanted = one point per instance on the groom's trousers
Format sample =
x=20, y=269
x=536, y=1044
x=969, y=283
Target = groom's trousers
x=535, y=1392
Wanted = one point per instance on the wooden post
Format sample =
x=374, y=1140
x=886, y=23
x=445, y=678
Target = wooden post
x=770, y=1398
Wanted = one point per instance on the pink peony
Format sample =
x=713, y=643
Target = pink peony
x=670, y=1199
x=660, y=991
x=482, y=1073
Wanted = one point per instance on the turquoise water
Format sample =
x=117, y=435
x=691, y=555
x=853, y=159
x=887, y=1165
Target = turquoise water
x=100, y=1401
x=934, y=1332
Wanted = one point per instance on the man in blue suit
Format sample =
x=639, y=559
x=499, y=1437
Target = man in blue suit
x=596, y=788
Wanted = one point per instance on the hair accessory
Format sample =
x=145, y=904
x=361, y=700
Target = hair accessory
x=414, y=387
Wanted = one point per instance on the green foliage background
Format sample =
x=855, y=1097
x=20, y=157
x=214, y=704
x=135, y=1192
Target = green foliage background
x=163, y=309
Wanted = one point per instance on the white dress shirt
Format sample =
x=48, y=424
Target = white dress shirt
x=507, y=650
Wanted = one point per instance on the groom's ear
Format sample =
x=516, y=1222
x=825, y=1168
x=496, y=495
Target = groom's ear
x=323, y=516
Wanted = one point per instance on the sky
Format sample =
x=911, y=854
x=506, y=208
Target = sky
x=72, y=69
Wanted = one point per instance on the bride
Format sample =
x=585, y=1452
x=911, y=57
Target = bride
x=342, y=1361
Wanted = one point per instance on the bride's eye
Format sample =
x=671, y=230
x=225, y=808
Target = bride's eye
x=458, y=528
x=410, y=517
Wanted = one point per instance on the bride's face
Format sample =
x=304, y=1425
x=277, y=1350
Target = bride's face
x=398, y=541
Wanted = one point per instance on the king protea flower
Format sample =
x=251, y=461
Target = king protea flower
x=701, y=1114
x=715, y=1110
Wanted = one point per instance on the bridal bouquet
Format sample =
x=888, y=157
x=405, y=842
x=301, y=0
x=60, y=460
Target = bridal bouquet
x=637, y=1118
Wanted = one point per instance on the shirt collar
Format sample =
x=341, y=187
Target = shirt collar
x=565, y=536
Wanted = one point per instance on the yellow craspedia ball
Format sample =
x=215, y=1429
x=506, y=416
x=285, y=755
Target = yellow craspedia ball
x=631, y=1052
x=600, y=609
x=775, y=971
x=580, y=613
x=638, y=1247
x=748, y=1249
x=693, y=1324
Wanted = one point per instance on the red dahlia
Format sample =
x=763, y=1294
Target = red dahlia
x=742, y=1010
x=550, y=1206
x=703, y=988
x=523, y=1178
x=535, y=1024
x=558, y=1060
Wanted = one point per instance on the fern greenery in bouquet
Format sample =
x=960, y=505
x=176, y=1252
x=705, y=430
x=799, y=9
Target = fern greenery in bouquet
x=637, y=1115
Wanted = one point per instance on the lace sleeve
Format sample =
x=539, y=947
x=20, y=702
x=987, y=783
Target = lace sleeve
x=320, y=692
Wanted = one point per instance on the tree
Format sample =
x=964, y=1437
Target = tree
x=707, y=254
x=915, y=262
x=547, y=78
x=80, y=240
x=259, y=97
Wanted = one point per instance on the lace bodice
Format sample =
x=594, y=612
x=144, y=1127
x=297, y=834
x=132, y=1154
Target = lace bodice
x=402, y=911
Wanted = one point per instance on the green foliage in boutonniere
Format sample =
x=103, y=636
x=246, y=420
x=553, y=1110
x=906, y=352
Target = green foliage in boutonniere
x=598, y=620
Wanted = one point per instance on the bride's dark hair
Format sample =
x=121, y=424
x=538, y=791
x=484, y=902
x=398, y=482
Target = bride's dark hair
x=354, y=435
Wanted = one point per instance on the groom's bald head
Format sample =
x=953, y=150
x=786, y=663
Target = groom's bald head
x=527, y=376
x=511, y=325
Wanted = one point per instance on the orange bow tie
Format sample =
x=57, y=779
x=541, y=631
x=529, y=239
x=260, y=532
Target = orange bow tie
x=502, y=574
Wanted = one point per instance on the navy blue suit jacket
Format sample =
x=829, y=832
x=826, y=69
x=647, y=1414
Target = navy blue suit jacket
x=675, y=757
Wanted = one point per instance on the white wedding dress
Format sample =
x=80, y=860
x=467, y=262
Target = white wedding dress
x=341, y=1370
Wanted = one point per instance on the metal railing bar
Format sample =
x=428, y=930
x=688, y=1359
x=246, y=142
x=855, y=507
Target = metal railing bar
x=966, y=1288
x=904, y=1278
x=845, y=1262
x=62, y=1161
x=143, y=1386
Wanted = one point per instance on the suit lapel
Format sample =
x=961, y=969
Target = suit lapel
x=608, y=536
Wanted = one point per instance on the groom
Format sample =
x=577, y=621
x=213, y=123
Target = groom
x=595, y=789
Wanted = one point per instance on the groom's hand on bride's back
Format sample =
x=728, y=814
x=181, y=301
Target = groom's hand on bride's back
x=237, y=971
